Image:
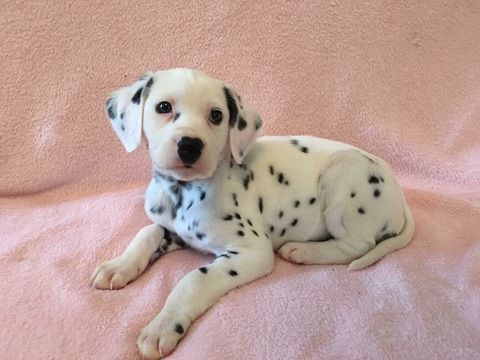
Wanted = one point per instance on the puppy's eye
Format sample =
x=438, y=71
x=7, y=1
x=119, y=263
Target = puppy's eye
x=216, y=117
x=163, y=107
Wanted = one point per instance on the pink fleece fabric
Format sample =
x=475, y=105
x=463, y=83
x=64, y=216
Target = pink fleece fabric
x=399, y=79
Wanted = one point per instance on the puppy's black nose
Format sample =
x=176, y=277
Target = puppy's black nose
x=189, y=149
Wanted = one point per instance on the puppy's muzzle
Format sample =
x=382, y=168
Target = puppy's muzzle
x=189, y=149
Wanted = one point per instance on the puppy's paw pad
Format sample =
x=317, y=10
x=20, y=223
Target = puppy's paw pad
x=114, y=274
x=291, y=252
x=159, y=338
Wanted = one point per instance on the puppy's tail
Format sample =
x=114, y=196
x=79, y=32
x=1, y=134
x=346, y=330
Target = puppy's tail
x=389, y=245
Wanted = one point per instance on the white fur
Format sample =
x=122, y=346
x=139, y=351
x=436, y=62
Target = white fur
x=311, y=199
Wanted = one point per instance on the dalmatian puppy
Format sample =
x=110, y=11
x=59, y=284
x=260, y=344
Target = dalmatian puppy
x=218, y=189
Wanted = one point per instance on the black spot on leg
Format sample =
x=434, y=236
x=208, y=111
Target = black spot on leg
x=233, y=273
x=304, y=149
x=255, y=233
x=352, y=195
x=280, y=214
x=179, y=329
x=241, y=225
x=280, y=178
x=361, y=210
x=203, y=269
x=376, y=193
x=249, y=222
x=270, y=169
x=137, y=95
x=228, y=217
x=260, y=205
x=373, y=180
x=312, y=201
x=287, y=183
x=296, y=203
x=235, y=200
x=252, y=177
x=237, y=215
x=294, y=222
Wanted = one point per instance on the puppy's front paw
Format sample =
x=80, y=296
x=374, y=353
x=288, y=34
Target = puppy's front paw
x=293, y=252
x=160, y=337
x=115, y=274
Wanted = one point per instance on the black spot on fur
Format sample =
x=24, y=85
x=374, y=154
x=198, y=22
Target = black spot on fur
x=228, y=217
x=361, y=210
x=272, y=228
x=178, y=328
x=385, y=237
x=194, y=224
x=252, y=177
x=233, y=273
x=223, y=255
x=110, y=105
x=137, y=95
x=296, y=203
x=304, y=149
x=242, y=124
x=122, y=127
x=287, y=183
x=200, y=236
x=173, y=213
x=376, y=193
x=249, y=222
x=373, y=180
x=237, y=215
x=352, y=195
x=280, y=214
x=294, y=142
x=157, y=210
x=233, y=252
x=240, y=233
x=232, y=106
x=234, y=197
x=255, y=233
x=385, y=226
x=164, y=247
x=280, y=178
x=179, y=242
x=177, y=115
x=283, y=232
x=149, y=83
x=241, y=224
x=270, y=168
x=122, y=115
x=381, y=179
x=312, y=201
x=246, y=182
x=203, y=269
x=202, y=195
x=190, y=205
x=258, y=124
x=294, y=222
x=260, y=205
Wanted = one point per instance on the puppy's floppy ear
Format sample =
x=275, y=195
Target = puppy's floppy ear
x=125, y=110
x=244, y=122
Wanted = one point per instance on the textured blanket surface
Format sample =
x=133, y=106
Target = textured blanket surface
x=399, y=79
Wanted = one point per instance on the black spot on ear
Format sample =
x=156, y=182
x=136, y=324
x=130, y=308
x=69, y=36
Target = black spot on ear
x=179, y=329
x=376, y=193
x=203, y=270
x=373, y=180
x=137, y=95
x=177, y=115
x=242, y=124
x=233, y=273
x=110, y=105
x=312, y=201
x=361, y=210
x=232, y=106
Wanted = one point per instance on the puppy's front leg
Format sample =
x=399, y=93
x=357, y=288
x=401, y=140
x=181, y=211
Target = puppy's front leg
x=150, y=242
x=199, y=290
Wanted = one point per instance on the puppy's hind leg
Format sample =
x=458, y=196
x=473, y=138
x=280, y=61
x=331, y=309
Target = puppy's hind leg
x=146, y=247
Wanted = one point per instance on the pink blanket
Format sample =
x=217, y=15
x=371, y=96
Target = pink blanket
x=399, y=79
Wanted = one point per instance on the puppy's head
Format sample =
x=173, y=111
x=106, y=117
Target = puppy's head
x=188, y=120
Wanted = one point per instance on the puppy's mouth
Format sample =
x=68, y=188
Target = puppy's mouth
x=182, y=172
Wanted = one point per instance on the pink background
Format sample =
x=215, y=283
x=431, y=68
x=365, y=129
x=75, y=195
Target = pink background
x=399, y=79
